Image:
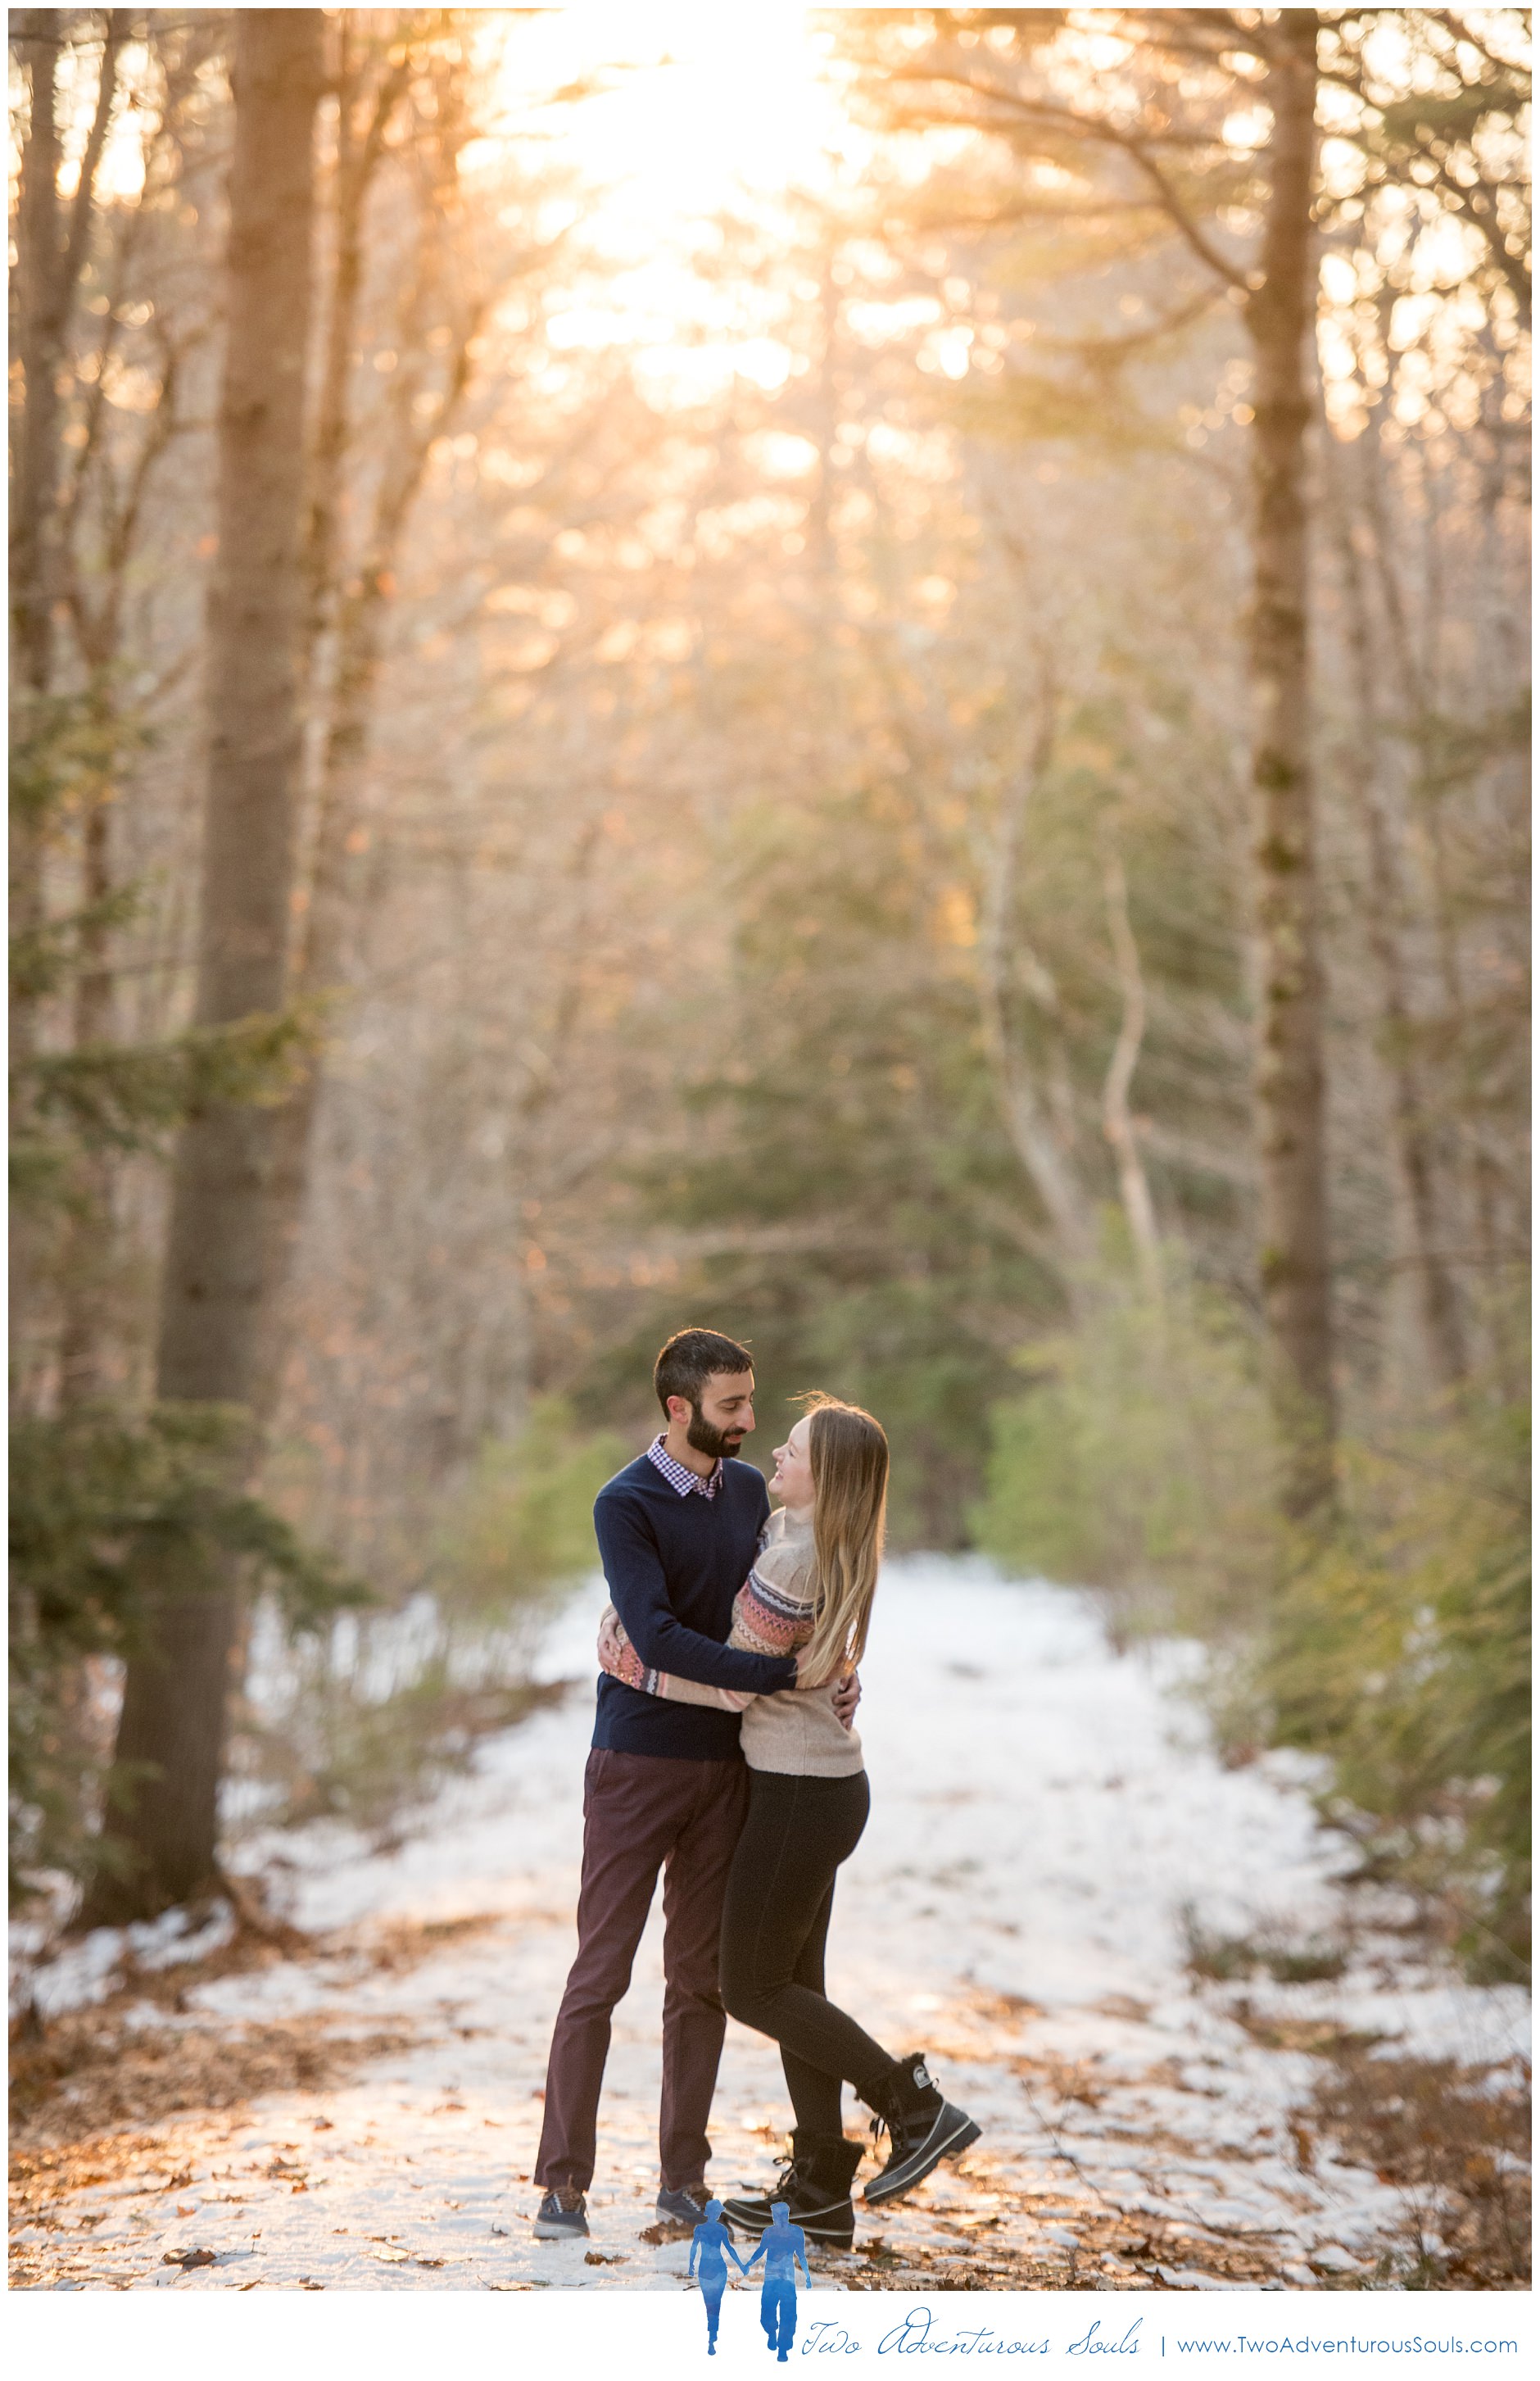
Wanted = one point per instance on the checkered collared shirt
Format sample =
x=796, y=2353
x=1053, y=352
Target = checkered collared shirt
x=679, y=1476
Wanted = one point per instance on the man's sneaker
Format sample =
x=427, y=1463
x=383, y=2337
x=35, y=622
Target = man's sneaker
x=922, y=2128
x=564, y=2216
x=814, y=2183
x=684, y=2206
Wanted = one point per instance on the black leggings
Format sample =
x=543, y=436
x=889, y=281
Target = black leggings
x=779, y=1892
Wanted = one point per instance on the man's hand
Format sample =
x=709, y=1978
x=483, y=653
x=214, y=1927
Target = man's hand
x=846, y=1695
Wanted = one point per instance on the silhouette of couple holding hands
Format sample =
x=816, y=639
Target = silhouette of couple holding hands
x=783, y=2249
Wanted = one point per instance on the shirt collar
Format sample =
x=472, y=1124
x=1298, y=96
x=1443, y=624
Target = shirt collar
x=679, y=1476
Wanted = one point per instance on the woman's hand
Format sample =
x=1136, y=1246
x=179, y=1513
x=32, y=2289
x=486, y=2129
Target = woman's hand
x=611, y=1642
x=614, y=1643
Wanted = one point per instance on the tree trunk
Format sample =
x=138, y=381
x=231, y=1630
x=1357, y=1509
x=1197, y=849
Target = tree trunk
x=1291, y=1078
x=41, y=302
x=171, y=1735
x=325, y=961
x=1117, y=1123
x=38, y=311
x=1416, y=704
x=1439, y=1301
x=1045, y=1162
x=50, y=252
x=825, y=425
x=88, y=1267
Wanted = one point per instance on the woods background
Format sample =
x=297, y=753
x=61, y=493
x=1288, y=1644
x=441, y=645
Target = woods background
x=918, y=753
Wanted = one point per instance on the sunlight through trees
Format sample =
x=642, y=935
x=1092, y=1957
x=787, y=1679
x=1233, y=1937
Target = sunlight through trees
x=861, y=675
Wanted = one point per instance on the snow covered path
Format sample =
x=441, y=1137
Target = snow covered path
x=1042, y=1810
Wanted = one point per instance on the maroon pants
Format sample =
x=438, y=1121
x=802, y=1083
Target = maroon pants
x=641, y=1814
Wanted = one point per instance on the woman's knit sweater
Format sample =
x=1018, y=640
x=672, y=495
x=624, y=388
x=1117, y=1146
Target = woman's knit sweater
x=795, y=1732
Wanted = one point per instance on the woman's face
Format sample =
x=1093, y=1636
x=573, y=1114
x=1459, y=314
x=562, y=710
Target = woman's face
x=792, y=1480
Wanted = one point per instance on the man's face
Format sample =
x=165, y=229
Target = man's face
x=724, y=1416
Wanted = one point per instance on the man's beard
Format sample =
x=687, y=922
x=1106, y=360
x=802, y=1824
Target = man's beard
x=707, y=1439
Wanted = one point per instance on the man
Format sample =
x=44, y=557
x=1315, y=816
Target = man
x=783, y=2247
x=665, y=1785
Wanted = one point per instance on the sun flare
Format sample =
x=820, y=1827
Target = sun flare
x=691, y=104
x=692, y=113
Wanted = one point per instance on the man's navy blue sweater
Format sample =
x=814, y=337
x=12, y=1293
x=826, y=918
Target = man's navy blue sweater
x=674, y=1564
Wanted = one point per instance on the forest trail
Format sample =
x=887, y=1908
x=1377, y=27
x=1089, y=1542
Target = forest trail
x=363, y=2114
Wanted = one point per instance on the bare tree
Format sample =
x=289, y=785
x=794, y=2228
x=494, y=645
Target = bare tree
x=1443, y=1323
x=52, y=239
x=1168, y=162
x=1046, y=1164
x=52, y=244
x=104, y=500
x=439, y=315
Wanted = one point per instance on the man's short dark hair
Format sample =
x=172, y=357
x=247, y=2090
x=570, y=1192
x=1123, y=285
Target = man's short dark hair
x=687, y=1361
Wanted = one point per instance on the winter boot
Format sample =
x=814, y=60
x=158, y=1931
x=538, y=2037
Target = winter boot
x=815, y=2184
x=922, y=2128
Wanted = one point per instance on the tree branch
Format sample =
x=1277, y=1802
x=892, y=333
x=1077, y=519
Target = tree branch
x=79, y=235
x=1095, y=131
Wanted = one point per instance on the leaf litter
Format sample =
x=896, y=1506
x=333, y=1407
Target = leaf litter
x=249, y=2117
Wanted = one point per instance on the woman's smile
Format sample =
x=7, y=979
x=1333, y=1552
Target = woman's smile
x=792, y=1477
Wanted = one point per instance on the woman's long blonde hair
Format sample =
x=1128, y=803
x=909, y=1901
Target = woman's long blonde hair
x=848, y=1452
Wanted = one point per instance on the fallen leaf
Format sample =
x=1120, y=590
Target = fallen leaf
x=188, y=2258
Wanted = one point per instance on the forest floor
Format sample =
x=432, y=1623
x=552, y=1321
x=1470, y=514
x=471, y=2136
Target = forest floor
x=1200, y=2060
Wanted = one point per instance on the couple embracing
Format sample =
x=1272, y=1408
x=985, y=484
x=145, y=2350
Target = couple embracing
x=724, y=1754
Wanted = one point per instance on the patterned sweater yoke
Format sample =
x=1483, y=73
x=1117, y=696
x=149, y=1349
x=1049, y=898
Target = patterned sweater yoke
x=772, y=1612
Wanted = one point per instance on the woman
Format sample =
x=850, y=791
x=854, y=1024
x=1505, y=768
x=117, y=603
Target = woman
x=711, y=2245
x=810, y=1591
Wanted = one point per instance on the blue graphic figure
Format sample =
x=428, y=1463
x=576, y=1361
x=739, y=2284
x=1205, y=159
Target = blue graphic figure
x=784, y=2250
x=710, y=2239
